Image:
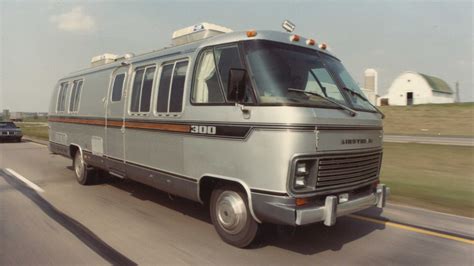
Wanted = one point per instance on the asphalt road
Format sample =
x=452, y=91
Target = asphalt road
x=123, y=222
x=458, y=141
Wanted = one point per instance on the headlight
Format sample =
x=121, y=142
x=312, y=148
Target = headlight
x=301, y=169
x=304, y=174
x=300, y=181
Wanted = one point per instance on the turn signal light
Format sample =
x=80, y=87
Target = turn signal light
x=374, y=185
x=310, y=42
x=295, y=38
x=301, y=201
x=323, y=46
x=251, y=33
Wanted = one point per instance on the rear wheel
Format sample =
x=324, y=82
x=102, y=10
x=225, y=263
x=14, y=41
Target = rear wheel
x=231, y=216
x=84, y=174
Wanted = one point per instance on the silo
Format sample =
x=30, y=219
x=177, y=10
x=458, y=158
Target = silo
x=370, y=85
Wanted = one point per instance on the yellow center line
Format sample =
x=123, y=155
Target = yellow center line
x=411, y=228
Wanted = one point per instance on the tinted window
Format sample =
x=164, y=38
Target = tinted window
x=136, y=90
x=141, y=90
x=75, y=95
x=206, y=86
x=118, y=87
x=146, y=89
x=78, y=96
x=164, y=88
x=177, y=86
x=227, y=58
x=61, y=105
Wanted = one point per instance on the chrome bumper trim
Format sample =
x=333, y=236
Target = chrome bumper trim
x=332, y=209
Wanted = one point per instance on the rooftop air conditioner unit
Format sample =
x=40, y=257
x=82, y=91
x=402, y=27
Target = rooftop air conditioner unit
x=103, y=59
x=197, y=32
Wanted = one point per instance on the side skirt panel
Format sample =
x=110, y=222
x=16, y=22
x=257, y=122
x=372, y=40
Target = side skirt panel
x=176, y=185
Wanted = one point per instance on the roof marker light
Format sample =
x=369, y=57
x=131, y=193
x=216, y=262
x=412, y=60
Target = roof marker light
x=251, y=33
x=310, y=42
x=288, y=26
x=323, y=46
x=295, y=38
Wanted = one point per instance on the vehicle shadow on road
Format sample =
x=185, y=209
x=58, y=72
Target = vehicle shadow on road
x=306, y=240
x=316, y=238
x=144, y=192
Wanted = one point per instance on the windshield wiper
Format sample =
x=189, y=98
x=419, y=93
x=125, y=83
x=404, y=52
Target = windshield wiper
x=365, y=99
x=349, y=110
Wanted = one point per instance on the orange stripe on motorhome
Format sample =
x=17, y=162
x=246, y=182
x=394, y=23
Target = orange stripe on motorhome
x=164, y=127
x=134, y=125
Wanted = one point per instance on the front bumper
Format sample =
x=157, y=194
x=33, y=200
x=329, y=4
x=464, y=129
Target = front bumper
x=333, y=209
x=280, y=210
x=10, y=137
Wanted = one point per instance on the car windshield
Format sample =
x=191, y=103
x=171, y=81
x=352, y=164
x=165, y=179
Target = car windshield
x=358, y=100
x=7, y=125
x=282, y=72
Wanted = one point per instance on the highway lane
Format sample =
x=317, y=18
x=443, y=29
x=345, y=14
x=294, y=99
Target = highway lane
x=123, y=221
x=458, y=141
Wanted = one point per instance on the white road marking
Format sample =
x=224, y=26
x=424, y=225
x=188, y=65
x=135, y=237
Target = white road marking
x=25, y=180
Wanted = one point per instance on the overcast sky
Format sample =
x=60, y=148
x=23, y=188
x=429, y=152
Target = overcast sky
x=43, y=40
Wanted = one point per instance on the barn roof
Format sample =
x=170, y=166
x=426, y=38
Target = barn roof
x=437, y=84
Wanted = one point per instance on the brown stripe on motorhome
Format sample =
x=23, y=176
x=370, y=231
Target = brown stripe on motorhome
x=115, y=123
x=163, y=127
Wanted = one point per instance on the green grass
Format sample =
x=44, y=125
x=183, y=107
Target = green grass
x=38, y=130
x=437, y=177
x=43, y=119
x=430, y=119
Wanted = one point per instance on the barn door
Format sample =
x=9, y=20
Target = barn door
x=409, y=98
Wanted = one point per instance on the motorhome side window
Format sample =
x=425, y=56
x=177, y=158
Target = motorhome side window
x=171, y=88
x=62, y=97
x=75, y=96
x=211, y=81
x=141, y=90
x=118, y=87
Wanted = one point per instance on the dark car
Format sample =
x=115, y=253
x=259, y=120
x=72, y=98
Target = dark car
x=9, y=131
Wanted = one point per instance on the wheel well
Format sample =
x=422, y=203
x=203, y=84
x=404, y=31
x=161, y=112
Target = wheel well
x=72, y=150
x=208, y=183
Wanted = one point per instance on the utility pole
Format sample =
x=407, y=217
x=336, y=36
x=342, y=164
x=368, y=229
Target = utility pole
x=456, y=100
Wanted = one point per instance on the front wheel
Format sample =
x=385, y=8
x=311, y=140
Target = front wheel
x=231, y=216
x=84, y=175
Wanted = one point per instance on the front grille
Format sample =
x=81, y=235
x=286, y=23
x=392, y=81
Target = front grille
x=337, y=172
x=8, y=133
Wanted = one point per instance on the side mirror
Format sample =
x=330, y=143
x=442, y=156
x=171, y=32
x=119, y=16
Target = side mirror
x=236, y=84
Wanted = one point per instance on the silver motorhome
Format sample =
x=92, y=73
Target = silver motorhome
x=264, y=126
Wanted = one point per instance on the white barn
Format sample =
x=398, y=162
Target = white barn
x=416, y=88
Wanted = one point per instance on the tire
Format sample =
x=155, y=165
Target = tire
x=231, y=216
x=84, y=174
x=18, y=140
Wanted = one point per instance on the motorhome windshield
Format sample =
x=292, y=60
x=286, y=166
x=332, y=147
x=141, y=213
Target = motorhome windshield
x=356, y=96
x=280, y=71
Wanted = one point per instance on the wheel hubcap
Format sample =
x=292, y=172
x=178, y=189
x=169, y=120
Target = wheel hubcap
x=79, y=166
x=231, y=212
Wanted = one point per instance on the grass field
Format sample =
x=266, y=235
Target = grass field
x=37, y=130
x=437, y=177
x=430, y=119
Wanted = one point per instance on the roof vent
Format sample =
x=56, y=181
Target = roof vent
x=103, y=59
x=197, y=32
